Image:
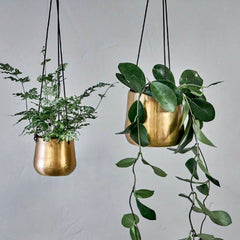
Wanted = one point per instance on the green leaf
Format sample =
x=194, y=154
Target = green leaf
x=164, y=95
x=191, y=165
x=221, y=218
x=184, y=113
x=134, y=233
x=205, y=236
x=186, y=138
x=196, y=209
x=176, y=90
x=129, y=220
x=122, y=79
x=215, y=83
x=201, y=165
x=202, y=110
x=143, y=135
x=204, y=189
x=126, y=162
x=213, y=180
x=201, y=137
x=145, y=211
x=132, y=112
x=159, y=171
x=162, y=73
x=189, y=180
x=191, y=77
x=127, y=129
x=134, y=76
x=185, y=196
x=195, y=90
x=156, y=170
x=143, y=193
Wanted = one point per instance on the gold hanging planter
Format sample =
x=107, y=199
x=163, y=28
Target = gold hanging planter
x=54, y=158
x=163, y=127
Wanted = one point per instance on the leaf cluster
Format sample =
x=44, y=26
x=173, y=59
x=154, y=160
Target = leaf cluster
x=49, y=115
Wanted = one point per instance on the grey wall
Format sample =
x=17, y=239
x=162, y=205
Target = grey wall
x=97, y=35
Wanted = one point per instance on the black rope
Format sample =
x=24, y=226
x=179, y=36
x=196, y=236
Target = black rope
x=60, y=59
x=143, y=27
x=60, y=56
x=44, y=61
x=166, y=41
x=167, y=32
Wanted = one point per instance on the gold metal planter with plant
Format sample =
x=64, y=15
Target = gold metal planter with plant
x=54, y=158
x=53, y=118
x=164, y=128
x=156, y=113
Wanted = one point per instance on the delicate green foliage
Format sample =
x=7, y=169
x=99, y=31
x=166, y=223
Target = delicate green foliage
x=164, y=95
x=162, y=73
x=132, y=113
x=145, y=211
x=184, y=112
x=58, y=117
x=143, y=193
x=133, y=76
x=144, y=140
x=191, y=77
x=202, y=110
x=126, y=162
x=129, y=220
x=189, y=180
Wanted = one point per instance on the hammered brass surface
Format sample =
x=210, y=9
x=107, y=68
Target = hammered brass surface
x=53, y=158
x=163, y=127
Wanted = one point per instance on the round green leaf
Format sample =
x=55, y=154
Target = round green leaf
x=176, y=90
x=132, y=113
x=190, y=77
x=202, y=110
x=164, y=95
x=133, y=75
x=162, y=73
x=130, y=220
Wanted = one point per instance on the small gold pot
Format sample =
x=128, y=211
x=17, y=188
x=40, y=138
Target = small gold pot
x=53, y=158
x=163, y=127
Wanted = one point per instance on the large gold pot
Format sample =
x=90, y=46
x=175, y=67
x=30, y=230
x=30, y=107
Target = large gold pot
x=163, y=127
x=54, y=158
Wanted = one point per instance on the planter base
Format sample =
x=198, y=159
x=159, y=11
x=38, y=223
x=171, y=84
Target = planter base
x=53, y=158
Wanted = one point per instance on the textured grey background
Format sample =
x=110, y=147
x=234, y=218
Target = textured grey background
x=97, y=35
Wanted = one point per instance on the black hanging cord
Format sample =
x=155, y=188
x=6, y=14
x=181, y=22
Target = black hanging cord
x=166, y=42
x=44, y=62
x=60, y=58
x=143, y=27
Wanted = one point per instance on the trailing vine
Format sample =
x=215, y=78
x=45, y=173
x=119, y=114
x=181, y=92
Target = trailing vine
x=195, y=110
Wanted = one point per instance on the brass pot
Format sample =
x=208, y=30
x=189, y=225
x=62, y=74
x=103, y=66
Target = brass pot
x=163, y=127
x=53, y=158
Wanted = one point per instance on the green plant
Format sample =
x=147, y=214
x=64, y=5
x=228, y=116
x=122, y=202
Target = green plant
x=196, y=110
x=52, y=116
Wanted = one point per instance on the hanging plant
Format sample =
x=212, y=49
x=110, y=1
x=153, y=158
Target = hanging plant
x=156, y=114
x=54, y=120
